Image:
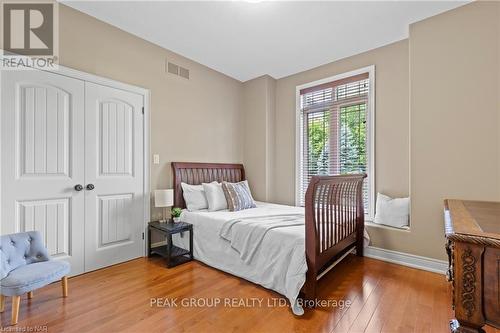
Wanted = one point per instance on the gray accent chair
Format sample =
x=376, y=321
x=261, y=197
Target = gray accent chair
x=25, y=265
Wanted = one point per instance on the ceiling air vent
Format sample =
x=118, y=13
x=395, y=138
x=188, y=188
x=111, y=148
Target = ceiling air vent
x=177, y=70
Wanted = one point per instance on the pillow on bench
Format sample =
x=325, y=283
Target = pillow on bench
x=392, y=212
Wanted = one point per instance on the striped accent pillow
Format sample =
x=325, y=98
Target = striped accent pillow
x=238, y=196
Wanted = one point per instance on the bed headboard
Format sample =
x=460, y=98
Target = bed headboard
x=197, y=173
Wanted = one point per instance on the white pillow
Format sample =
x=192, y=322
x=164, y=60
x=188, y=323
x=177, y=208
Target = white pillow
x=194, y=196
x=392, y=212
x=215, y=196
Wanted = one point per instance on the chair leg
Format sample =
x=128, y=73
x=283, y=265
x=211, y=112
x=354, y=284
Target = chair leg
x=15, y=309
x=30, y=294
x=64, y=282
x=2, y=303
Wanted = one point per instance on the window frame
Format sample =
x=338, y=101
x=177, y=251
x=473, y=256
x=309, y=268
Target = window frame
x=370, y=118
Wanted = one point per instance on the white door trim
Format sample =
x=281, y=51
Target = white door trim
x=77, y=74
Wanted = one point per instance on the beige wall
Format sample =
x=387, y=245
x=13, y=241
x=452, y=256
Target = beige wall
x=392, y=125
x=191, y=120
x=258, y=134
x=454, y=60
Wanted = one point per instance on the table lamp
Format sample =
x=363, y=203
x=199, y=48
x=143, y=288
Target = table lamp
x=164, y=198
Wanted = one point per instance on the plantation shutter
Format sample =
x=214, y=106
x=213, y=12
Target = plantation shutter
x=333, y=127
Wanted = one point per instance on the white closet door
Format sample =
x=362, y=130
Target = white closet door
x=114, y=169
x=42, y=159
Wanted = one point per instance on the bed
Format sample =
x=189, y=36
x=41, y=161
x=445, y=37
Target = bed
x=288, y=259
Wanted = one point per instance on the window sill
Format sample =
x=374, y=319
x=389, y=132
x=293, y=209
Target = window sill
x=370, y=223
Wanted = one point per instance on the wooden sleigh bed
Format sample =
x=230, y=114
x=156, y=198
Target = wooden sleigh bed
x=334, y=214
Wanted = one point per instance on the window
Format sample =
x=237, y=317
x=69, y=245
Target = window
x=335, y=135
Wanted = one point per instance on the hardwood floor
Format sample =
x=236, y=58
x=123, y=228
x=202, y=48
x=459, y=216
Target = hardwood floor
x=384, y=298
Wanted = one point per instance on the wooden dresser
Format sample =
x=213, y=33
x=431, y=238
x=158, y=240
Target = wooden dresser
x=473, y=246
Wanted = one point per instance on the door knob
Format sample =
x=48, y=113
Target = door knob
x=78, y=187
x=90, y=187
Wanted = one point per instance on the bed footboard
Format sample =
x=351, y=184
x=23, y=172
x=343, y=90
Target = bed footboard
x=334, y=223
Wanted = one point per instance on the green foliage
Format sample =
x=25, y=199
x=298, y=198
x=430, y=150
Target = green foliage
x=318, y=135
x=176, y=212
x=351, y=140
x=352, y=149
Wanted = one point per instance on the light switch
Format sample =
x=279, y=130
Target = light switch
x=156, y=159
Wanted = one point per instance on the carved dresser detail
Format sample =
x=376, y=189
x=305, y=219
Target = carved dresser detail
x=473, y=246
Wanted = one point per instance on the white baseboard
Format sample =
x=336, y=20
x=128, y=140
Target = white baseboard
x=406, y=259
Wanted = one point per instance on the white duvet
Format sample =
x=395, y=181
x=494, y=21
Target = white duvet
x=247, y=234
x=278, y=263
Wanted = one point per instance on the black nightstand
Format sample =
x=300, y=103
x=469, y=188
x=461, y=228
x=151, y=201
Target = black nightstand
x=174, y=255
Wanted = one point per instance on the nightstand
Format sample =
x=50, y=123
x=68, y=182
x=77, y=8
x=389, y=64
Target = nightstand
x=174, y=255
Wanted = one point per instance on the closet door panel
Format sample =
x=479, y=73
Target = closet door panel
x=114, y=170
x=42, y=159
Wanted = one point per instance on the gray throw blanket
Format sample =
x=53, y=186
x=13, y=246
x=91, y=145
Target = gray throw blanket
x=246, y=234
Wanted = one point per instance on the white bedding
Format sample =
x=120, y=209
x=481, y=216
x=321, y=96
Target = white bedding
x=278, y=263
x=247, y=234
x=285, y=273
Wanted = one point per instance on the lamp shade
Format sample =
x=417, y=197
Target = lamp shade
x=164, y=198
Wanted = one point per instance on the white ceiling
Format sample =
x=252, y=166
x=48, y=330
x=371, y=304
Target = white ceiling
x=247, y=39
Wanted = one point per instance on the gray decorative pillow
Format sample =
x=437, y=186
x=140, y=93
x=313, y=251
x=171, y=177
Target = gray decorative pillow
x=238, y=196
